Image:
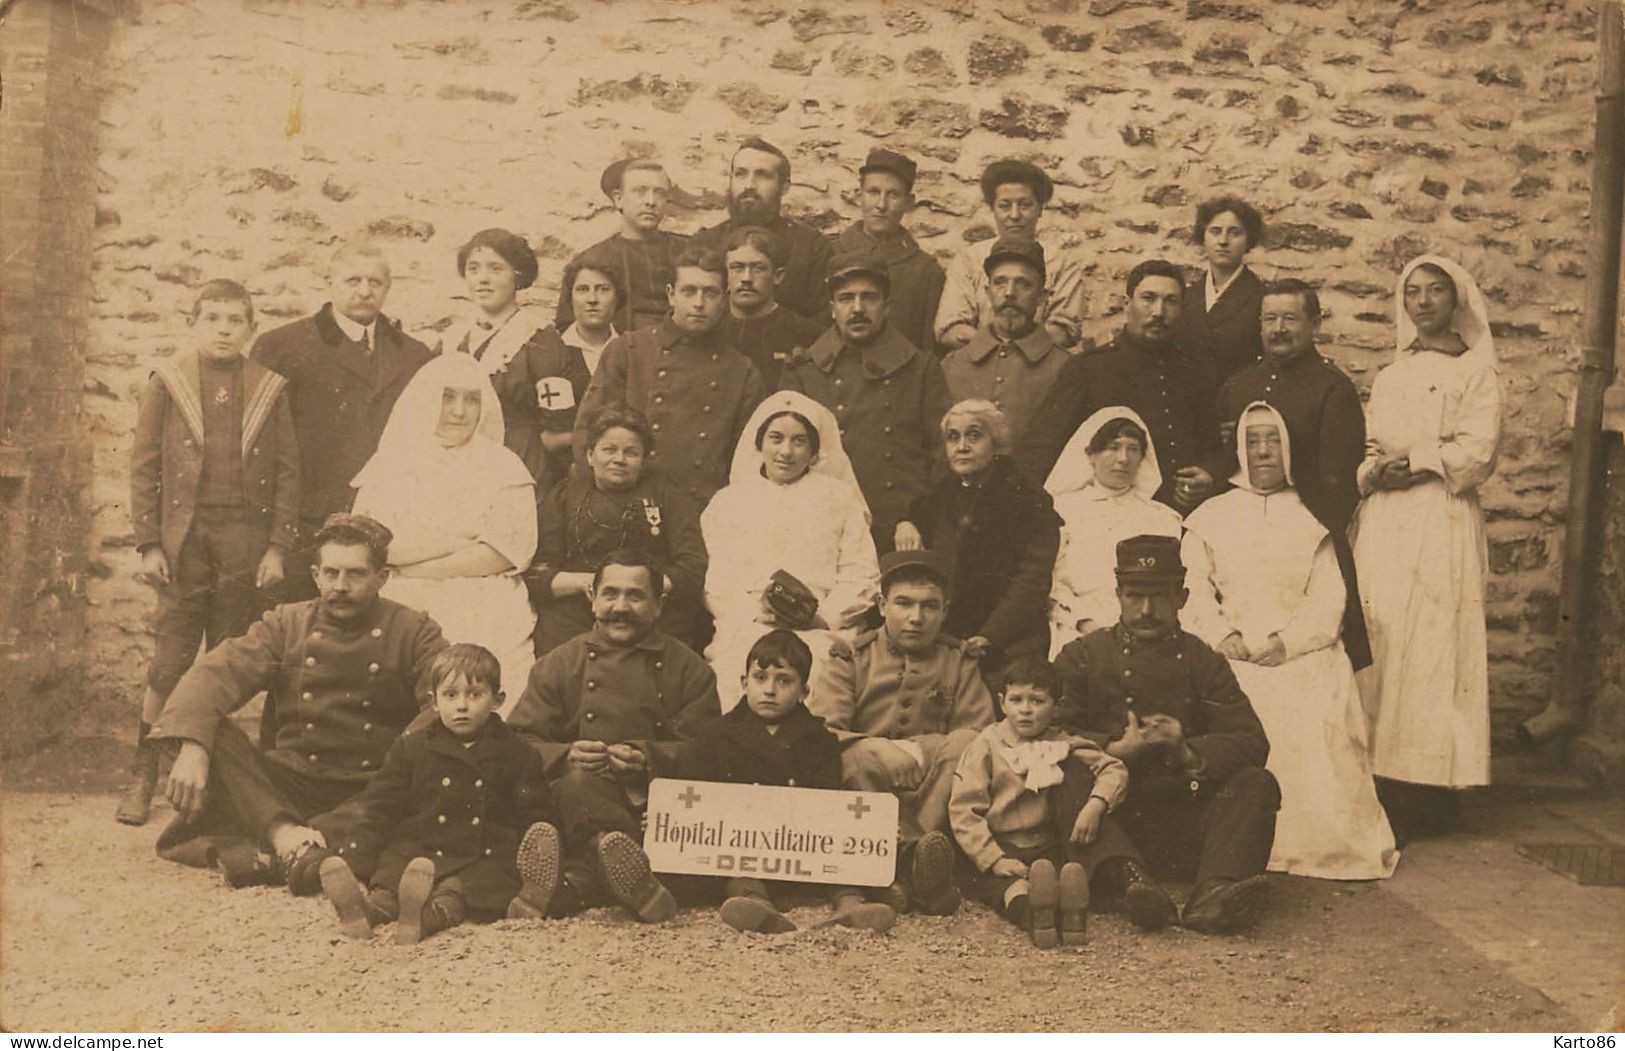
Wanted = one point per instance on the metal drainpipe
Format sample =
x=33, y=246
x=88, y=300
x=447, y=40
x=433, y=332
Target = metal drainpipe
x=1566, y=707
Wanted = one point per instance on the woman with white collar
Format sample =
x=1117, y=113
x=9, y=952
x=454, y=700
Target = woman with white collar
x=1433, y=423
x=462, y=508
x=537, y=377
x=1102, y=483
x=791, y=507
x=1266, y=591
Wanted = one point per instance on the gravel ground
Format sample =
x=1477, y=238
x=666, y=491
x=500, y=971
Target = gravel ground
x=98, y=934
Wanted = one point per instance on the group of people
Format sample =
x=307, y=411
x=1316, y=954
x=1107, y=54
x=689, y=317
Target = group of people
x=1177, y=604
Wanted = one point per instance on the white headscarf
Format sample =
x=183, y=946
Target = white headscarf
x=1074, y=469
x=411, y=460
x=831, y=461
x=1471, y=321
x=1241, y=479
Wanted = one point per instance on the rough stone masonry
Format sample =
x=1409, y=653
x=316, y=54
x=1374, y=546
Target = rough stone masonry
x=246, y=138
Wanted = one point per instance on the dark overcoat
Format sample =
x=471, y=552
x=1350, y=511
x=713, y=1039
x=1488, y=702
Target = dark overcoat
x=916, y=281
x=738, y=749
x=1000, y=537
x=806, y=262
x=1108, y=673
x=1227, y=338
x=465, y=809
x=340, y=398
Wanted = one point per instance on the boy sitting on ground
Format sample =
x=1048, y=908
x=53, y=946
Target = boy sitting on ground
x=772, y=739
x=1028, y=796
x=460, y=808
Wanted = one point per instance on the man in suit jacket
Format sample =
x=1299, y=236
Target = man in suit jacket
x=345, y=366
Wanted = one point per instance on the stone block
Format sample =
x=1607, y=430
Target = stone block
x=1223, y=50
x=1020, y=117
x=1304, y=237
x=1197, y=9
x=930, y=68
x=1518, y=554
x=669, y=94
x=794, y=60
x=854, y=60
x=1146, y=36
x=1500, y=76
x=994, y=57
x=1063, y=38
x=1450, y=34
x=460, y=92
x=925, y=118
x=810, y=23
x=750, y=103
x=401, y=226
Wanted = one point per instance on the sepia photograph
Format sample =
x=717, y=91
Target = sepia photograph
x=785, y=516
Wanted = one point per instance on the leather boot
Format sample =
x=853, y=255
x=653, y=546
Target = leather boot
x=136, y=805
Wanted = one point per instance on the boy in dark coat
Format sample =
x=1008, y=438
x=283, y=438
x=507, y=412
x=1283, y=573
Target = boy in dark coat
x=460, y=808
x=770, y=738
x=214, y=496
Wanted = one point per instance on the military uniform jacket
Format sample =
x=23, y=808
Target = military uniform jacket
x=342, y=692
x=916, y=281
x=883, y=692
x=807, y=256
x=1325, y=425
x=656, y=694
x=771, y=341
x=738, y=748
x=697, y=392
x=1170, y=389
x=1001, y=538
x=465, y=809
x=1227, y=338
x=166, y=460
x=888, y=398
x=340, y=399
x=1108, y=673
x=1015, y=376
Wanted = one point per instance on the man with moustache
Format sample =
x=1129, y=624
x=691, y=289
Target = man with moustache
x=695, y=389
x=1325, y=425
x=888, y=396
x=886, y=195
x=756, y=325
x=1017, y=193
x=1200, y=803
x=344, y=674
x=640, y=253
x=608, y=711
x=1145, y=369
x=757, y=181
x=1012, y=362
x=345, y=366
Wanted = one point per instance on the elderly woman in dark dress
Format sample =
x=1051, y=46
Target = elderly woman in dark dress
x=998, y=532
x=621, y=503
x=538, y=379
x=1218, y=317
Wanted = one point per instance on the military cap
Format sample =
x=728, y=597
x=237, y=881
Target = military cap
x=883, y=160
x=860, y=261
x=1019, y=247
x=610, y=181
x=895, y=562
x=1149, y=558
x=1001, y=172
x=345, y=528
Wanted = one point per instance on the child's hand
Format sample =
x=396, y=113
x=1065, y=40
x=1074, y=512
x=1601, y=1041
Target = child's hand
x=154, y=567
x=1087, y=826
x=591, y=756
x=269, y=574
x=1009, y=867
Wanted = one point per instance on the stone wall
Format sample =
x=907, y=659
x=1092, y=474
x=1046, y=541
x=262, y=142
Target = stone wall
x=47, y=204
x=246, y=137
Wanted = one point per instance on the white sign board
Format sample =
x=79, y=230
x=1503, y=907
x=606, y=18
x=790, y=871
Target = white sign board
x=805, y=835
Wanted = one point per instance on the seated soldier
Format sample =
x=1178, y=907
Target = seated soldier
x=345, y=674
x=905, y=707
x=1200, y=801
x=609, y=710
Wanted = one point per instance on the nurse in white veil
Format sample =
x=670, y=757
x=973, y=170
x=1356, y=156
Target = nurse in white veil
x=1433, y=423
x=462, y=507
x=791, y=504
x=1102, y=485
x=1266, y=591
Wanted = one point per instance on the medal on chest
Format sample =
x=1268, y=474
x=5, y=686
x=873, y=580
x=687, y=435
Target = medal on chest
x=222, y=396
x=651, y=514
